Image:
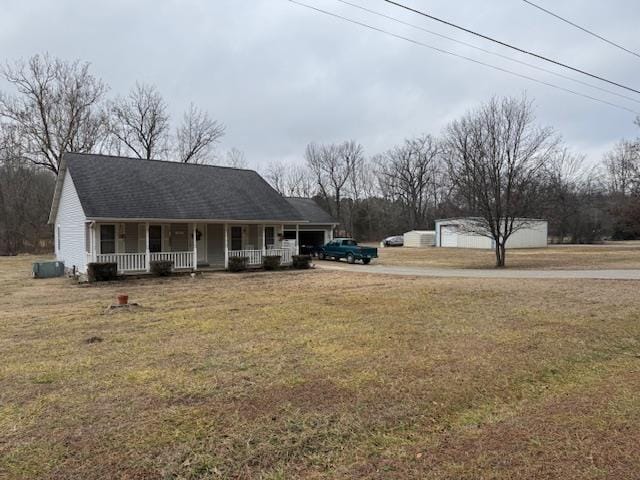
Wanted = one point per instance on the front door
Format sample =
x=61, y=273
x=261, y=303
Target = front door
x=155, y=238
x=236, y=238
x=269, y=237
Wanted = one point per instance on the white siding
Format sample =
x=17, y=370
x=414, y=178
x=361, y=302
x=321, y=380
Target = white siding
x=70, y=228
x=471, y=240
x=419, y=238
x=533, y=235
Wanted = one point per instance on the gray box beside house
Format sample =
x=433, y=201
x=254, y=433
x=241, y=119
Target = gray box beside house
x=48, y=269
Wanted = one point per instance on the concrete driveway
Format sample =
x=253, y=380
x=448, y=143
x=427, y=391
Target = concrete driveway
x=479, y=273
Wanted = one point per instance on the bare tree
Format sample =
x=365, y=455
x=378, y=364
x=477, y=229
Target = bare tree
x=332, y=167
x=410, y=173
x=140, y=122
x=622, y=166
x=57, y=108
x=497, y=156
x=235, y=158
x=275, y=174
x=197, y=136
x=290, y=179
x=299, y=181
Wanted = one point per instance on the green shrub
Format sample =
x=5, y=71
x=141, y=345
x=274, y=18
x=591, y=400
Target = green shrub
x=238, y=264
x=271, y=262
x=102, y=272
x=161, y=268
x=302, y=261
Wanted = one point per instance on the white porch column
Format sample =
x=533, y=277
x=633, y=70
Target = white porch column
x=147, y=252
x=226, y=246
x=92, y=242
x=264, y=247
x=195, y=247
x=297, y=239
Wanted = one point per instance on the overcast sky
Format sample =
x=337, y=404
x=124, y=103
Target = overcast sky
x=280, y=76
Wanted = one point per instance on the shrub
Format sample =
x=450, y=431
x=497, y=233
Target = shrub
x=102, y=272
x=238, y=264
x=302, y=261
x=161, y=268
x=271, y=262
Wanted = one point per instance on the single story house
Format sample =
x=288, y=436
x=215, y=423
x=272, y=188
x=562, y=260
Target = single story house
x=455, y=233
x=420, y=238
x=132, y=211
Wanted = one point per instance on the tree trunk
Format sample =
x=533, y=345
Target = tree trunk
x=500, y=255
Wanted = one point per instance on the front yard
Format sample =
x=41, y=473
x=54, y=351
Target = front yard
x=621, y=255
x=318, y=374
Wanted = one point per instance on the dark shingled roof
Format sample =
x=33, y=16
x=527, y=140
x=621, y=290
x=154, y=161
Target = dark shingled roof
x=120, y=187
x=310, y=210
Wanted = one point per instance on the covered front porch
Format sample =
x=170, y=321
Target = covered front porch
x=189, y=245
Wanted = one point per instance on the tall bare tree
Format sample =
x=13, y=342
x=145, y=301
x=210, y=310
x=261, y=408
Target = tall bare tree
x=140, y=122
x=197, y=136
x=410, y=173
x=622, y=166
x=497, y=156
x=290, y=179
x=57, y=107
x=332, y=166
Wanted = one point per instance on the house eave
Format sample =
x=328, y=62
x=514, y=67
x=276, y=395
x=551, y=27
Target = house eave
x=62, y=168
x=192, y=220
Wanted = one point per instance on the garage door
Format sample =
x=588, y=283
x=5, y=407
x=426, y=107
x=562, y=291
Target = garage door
x=449, y=236
x=311, y=241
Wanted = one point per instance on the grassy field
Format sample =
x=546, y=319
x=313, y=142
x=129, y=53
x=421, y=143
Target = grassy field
x=318, y=375
x=581, y=257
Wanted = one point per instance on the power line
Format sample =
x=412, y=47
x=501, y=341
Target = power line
x=437, y=49
x=586, y=30
x=518, y=49
x=511, y=59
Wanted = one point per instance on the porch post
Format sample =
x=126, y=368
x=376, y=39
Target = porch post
x=264, y=247
x=297, y=239
x=93, y=255
x=147, y=252
x=226, y=246
x=195, y=247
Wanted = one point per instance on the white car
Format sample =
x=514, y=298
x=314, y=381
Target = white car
x=394, y=241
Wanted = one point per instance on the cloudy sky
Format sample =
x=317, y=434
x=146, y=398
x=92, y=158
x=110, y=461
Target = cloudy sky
x=280, y=75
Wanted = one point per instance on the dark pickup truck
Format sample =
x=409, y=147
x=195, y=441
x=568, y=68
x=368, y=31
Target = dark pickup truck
x=347, y=248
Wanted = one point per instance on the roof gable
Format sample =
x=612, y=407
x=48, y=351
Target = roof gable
x=311, y=211
x=131, y=188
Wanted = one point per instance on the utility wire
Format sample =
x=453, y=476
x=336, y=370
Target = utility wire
x=518, y=49
x=586, y=30
x=416, y=42
x=511, y=59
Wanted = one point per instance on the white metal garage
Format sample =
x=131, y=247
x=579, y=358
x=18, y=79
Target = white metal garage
x=455, y=233
x=420, y=238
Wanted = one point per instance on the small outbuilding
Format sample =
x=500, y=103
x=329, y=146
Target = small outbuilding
x=459, y=233
x=420, y=238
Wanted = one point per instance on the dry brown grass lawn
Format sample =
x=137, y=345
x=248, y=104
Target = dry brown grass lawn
x=581, y=257
x=319, y=375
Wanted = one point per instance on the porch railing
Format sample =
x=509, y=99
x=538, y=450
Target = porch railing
x=254, y=257
x=127, y=262
x=181, y=260
x=286, y=254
